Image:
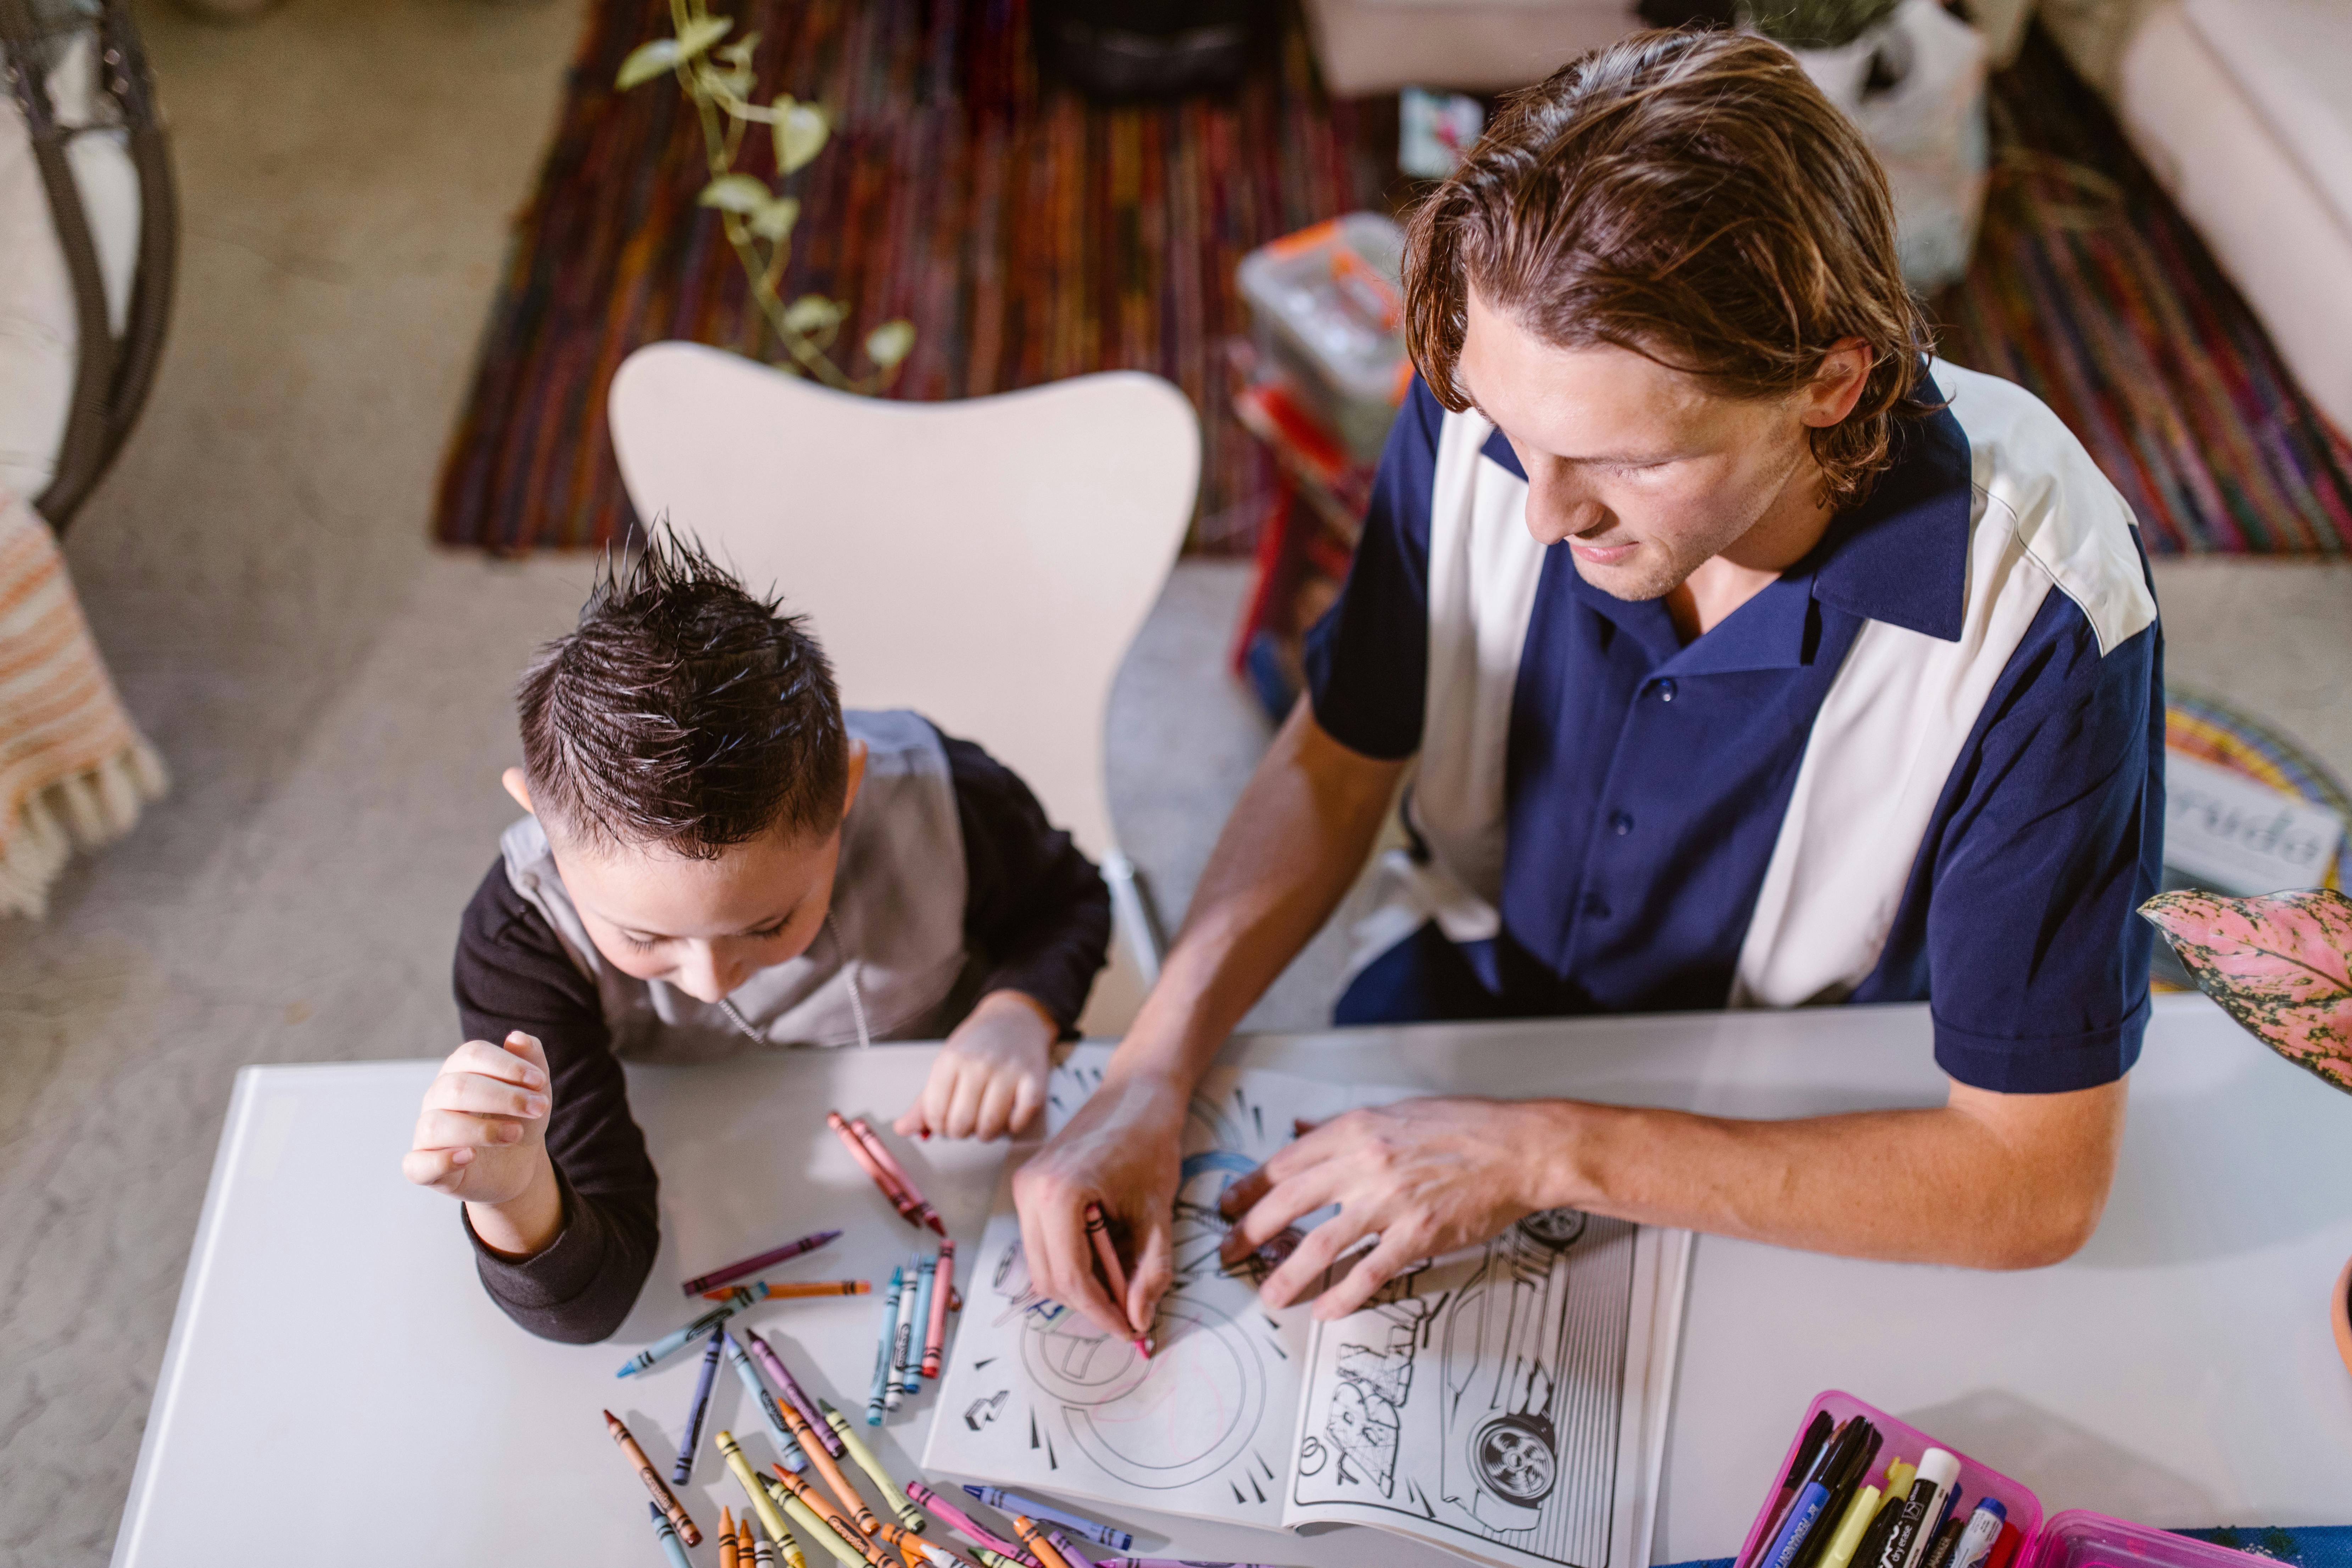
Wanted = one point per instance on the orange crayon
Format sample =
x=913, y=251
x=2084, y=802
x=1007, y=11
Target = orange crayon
x=664, y=1499
x=789, y=1290
x=730, y=1554
x=817, y=1503
x=916, y=1551
x=1034, y=1540
x=837, y=1483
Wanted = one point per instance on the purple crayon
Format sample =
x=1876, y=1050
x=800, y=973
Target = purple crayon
x=683, y=1471
x=774, y=1365
x=734, y=1271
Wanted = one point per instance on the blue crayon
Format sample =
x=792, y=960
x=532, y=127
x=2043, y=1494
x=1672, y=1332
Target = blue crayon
x=672, y=1548
x=741, y=1360
x=669, y=1344
x=1008, y=1503
x=924, y=1278
x=683, y=1471
x=876, y=1401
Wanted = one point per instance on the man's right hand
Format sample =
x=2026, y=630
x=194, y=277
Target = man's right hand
x=482, y=1133
x=1121, y=1150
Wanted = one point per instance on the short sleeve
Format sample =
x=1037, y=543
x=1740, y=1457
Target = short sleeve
x=2037, y=960
x=1368, y=659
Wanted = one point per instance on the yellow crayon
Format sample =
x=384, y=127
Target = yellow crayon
x=818, y=1504
x=732, y=1452
x=910, y=1517
x=816, y=1528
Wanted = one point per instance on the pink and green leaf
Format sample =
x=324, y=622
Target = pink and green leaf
x=2281, y=965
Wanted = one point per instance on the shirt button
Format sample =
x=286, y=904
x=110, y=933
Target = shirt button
x=1620, y=824
x=1596, y=906
x=1666, y=689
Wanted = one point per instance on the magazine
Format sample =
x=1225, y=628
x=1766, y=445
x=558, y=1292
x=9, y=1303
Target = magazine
x=1506, y=1404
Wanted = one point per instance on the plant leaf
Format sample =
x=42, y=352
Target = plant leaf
x=735, y=81
x=774, y=219
x=2281, y=965
x=811, y=312
x=740, y=51
x=734, y=193
x=645, y=62
x=889, y=343
x=800, y=132
x=701, y=34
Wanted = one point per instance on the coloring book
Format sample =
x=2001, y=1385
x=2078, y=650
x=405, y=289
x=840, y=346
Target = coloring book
x=1506, y=1402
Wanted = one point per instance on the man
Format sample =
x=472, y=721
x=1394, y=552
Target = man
x=1741, y=656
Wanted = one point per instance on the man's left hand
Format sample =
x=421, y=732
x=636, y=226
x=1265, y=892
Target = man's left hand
x=1428, y=1176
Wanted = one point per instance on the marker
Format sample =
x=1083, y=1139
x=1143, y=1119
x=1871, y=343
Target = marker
x=683, y=1471
x=728, y=1555
x=1801, y=1463
x=1901, y=1545
x=955, y=1519
x=1982, y=1530
x=734, y=1271
x=1899, y=1476
x=732, y=1452
x=935, y=1336
x=1012, y=1503
x=1099, y=1233
x=742, y=1363
x=926, y=1274
x=1070, y=1555
x=1945, y=1475
x=666, y=1499
x=795, y=1399
x=1850, y=1528
x=2004, y=1550
x=1034, y=1540
x=924, y=1213
x=851, y=1505
x=879, y=1401
x=1940, y=1550
x=669, y=1344
x=902, y=1340
x=910, y=1515
x=787, y=1290
x=667, y=1535
x=854, y=1550
x=858, y=1150
x=1833, y=1475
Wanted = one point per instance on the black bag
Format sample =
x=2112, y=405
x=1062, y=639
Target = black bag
x=1150, y=49
x=111, y=378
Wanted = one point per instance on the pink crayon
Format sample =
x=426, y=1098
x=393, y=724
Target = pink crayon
x=897, y=1172
x=935, y=1336
x=955, y=1519
x=860, y=1150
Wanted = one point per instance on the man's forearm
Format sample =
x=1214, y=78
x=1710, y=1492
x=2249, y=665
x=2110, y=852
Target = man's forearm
x=1289, y=853
x=1985, y=1181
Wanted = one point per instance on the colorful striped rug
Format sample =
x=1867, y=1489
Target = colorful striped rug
x=1031, y=233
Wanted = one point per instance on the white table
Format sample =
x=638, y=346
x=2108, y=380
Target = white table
x=336, y=1382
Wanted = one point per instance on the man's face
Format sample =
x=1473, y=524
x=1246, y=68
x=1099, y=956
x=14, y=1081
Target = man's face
x=1642, y=471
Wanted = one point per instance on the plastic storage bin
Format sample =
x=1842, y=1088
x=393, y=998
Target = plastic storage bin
x=1328, y=308
x=2073, y=1539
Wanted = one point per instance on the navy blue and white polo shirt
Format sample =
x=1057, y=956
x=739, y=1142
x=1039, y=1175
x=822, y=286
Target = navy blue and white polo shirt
x=1927, y=762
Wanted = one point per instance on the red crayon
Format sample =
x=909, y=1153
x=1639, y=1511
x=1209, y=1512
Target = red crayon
x=664, y=1499
x=1099, y=1233
x=935, y=1334
x=897, y=1172
x=857, y=1146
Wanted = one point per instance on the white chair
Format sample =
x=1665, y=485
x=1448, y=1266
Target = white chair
x=985, y=562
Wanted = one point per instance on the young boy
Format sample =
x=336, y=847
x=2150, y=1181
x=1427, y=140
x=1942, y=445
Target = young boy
x=718, y=858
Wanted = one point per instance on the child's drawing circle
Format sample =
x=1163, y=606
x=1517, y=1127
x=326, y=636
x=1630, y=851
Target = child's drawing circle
x=1176, y=1419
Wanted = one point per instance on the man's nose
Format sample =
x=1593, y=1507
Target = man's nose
x=1561, y=504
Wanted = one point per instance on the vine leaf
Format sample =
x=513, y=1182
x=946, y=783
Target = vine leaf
x=701, y=34
x=813, y=313
x=645, y=62
x=734, y=193
x=800, y=132
x=738, y=53
x=773, y=220
x=2281, y=965
x=889, y=343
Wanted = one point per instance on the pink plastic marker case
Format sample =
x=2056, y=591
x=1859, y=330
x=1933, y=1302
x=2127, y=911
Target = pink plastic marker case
x=2075, y=1539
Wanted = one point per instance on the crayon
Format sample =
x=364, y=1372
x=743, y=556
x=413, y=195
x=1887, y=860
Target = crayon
x=824, y=1511
x=1070, y=1555
x=795, y=1399
x=916, y=1551
x=1011, y=1503
x=1099, y=1233
x=787, y=1290
x=955, y=1519
x=926, y=1274
x=683, y=1471
x=1034, y=1540
x=665, y=1532
x=788, y=1549
x=742, y=1362
x=910, y=1515
x=732, y=1452
x=666, y=1499
x=734, y=1271
x=851, y=1505
x=878, y=1401
x=669, y=1344
x=864, y=1155
x=924, y=1213
x=935, y=1334
x=808, y=1524
x=764, y=1555
x=999, y=1560
x=728, y=1556
x=902, y=1340
x=1170, y=1562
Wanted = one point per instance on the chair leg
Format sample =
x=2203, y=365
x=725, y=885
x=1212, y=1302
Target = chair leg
x=1134, y=913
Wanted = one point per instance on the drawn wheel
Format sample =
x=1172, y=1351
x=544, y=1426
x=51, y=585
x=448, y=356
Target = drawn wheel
x=1556, y=1228
x=1513, y=1458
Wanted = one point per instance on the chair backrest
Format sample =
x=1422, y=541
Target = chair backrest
x=985, y=563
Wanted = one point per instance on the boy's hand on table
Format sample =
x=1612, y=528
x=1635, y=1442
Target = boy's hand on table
x=990, y=1079
x=482, y=1134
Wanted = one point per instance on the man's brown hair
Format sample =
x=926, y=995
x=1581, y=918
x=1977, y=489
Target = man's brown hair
x=1691, y=196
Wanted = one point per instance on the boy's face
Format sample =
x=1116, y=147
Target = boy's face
x=704, y=926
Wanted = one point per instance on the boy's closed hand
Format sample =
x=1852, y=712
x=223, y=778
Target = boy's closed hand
x=990, y=1078
x=482, y=1134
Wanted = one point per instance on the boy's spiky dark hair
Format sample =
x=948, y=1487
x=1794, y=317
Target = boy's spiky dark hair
x=682, y=712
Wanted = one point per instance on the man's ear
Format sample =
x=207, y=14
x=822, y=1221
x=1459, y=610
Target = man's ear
x=519, y=787
x=857, y=775
x=1837, y=386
